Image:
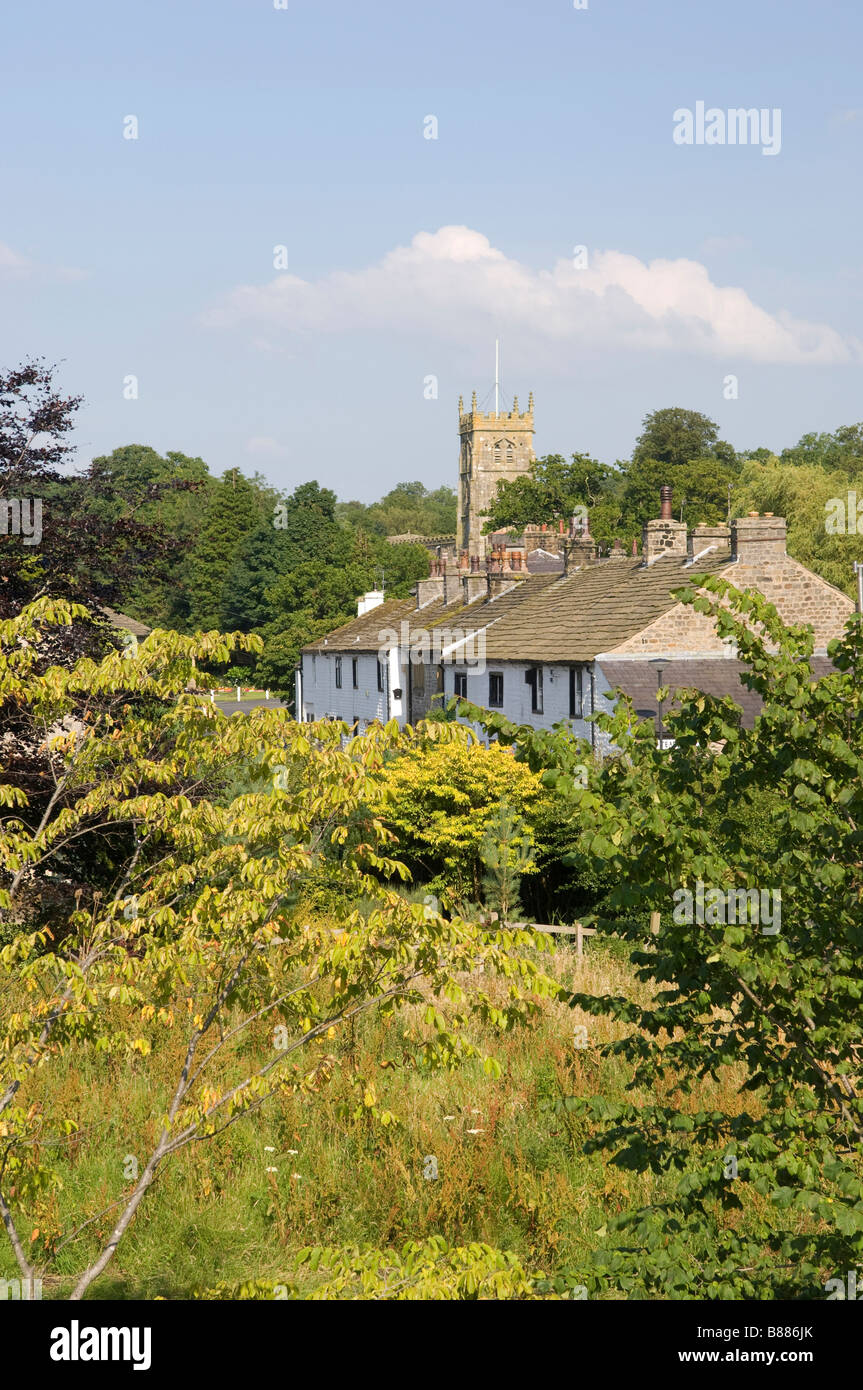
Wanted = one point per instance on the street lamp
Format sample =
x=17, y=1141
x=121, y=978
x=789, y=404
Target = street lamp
x=659, y=664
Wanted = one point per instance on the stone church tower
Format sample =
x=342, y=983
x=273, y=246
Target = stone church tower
x=494, y=447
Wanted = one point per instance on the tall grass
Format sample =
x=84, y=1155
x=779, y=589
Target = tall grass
x=510, y=1171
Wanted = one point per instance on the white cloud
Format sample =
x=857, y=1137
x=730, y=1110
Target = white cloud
x=453, y=285
x=16, y=267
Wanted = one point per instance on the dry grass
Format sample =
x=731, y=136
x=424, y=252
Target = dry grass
x=511, y=1171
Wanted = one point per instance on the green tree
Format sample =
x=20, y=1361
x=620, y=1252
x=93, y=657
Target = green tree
x=441, y=804
x=841, y=451
x=762, y=1187
x=550, y=492
x=235, y=508
x=408, y=507
x=204, y=933
x=169, y=494
x=674, y=436
x=76, y=547
x=507, y=854
x=802, y=493
x=701, y=490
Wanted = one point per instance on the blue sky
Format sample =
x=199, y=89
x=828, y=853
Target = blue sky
x=304, y=128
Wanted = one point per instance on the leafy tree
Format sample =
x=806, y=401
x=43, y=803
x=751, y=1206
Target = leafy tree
x=441, y=804
x=169, y=494
x=675, y=436
x=203, y=931
x=81, y=552
x=802, y=494
x=406, y=508
x=550, y=492
x=261, y=557
x=701, y=488
x=234, y=509
x=401, y=565
x=320, y=594
x=841, y=451
x=766, y=1197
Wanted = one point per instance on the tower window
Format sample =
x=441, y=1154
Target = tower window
x=338, y=673
x=380, y=674
x=460, y=684
x=495, y=689
x=355, y=672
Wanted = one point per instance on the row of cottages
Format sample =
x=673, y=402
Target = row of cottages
x=542, y=647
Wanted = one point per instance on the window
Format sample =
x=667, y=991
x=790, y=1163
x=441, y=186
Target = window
x=576, y=692
x=533, y=678
x=460, y=684
x=380, y=674
x=495, y=689
x=338, y=673
x=355, y=672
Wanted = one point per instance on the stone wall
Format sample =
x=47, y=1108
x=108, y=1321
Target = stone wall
x=798, y=595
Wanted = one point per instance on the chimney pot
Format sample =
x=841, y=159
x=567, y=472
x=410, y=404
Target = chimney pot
x=665, y=503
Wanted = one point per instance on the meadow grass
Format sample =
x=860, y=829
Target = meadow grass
x=511, y=1171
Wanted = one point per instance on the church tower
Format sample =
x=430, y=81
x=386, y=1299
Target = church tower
x=494, y=447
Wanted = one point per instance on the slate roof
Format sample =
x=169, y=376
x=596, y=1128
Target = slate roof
x=591, y=610
x=126, y=624
x=714, y=676
x=544, y=562
x=544, y=618
x=363, y=634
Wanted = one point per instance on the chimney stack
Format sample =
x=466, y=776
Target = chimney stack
x=579, y=549
x=758, y=540
x=707, y=537
x=663, y=536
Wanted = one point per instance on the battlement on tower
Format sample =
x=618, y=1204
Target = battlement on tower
x=495, y=447
x=475, y=419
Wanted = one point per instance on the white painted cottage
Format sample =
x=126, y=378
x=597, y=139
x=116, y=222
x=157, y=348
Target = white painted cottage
x=546, y=647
